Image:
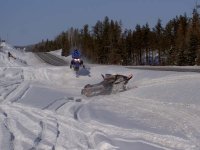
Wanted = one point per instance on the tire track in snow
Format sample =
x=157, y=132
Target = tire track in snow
x=12, y=136
x=44, y=137
x=10, y=90
x=25, y=122
x=4, y=134
x=39, y=137
x=45, y=129
x=10, y=81
x=71, y=129
x=19, y=92
x=61, y=105
x=54, y=103
x=57, y=134
x=76, y=111
x=58, y=103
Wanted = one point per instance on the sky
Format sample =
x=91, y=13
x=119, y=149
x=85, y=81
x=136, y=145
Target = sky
x=24, y=22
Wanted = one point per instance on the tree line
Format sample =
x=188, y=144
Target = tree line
x=176, y=43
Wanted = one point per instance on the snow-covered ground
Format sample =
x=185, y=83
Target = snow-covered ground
x=41, y=107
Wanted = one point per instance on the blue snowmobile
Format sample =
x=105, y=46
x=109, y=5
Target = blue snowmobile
x=76, y=61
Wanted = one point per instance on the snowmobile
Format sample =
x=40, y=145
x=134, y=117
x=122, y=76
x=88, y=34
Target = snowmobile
x=76, y=61
x=110, y=84
x=76, y=64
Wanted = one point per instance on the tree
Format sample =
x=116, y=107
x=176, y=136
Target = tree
x=98, y=41
x=159, y=38
x=181, y=43
x=146, y=41
x=169, y=41
x=194, y=40
x=192, y=50
x=137, y=37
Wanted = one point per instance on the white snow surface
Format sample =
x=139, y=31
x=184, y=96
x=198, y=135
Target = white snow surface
x=41, y=107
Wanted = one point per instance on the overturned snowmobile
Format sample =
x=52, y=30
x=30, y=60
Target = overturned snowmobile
x=110, y=84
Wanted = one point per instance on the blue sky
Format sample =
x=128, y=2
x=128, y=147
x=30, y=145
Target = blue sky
x=24, y=22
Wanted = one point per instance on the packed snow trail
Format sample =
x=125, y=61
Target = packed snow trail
x=51, y=59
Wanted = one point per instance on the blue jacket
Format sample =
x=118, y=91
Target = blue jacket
x=76, y=54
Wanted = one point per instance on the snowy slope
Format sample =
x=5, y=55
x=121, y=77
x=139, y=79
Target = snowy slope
x=41, y=108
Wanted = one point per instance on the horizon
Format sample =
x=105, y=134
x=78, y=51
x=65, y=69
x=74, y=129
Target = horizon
x=29, y=22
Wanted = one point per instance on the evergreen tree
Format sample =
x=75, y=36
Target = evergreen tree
x=87, y=42
x=116, y=54
x=159, y=34
x=98, y=42
x=128, y=47
x=192, y=51
x=181, y=43
x=194, y=40
x=137, y=43
x=169, y=41
x=146, y=42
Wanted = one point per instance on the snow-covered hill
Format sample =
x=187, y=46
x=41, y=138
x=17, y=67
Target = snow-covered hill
x=22, y=58
x=41, y=108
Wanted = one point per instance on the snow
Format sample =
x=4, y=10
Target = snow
x=41, y=107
